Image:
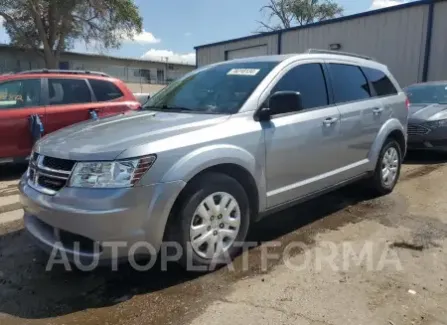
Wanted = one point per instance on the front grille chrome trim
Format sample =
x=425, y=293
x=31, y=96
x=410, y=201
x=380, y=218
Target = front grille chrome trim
x=48, y=169
x=38, y=169
x=41, y=189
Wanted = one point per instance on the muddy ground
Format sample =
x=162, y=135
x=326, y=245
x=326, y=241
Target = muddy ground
x=402, y=279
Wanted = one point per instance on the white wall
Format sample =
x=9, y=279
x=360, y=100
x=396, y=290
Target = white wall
x=12, y=59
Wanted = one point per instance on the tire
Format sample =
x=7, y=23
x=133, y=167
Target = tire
x=377, y=183
x=193, y=224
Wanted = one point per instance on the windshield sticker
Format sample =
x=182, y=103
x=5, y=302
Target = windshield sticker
x=243, y=72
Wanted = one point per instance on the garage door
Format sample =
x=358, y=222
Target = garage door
x=247, y=52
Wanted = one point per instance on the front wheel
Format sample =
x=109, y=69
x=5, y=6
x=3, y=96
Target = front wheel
x=387, y=169
x=212, y=221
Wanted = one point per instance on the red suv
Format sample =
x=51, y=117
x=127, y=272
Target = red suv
x=54, y=99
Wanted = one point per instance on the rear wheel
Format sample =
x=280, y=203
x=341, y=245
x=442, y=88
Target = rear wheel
x=387, y=169
x=211, y=221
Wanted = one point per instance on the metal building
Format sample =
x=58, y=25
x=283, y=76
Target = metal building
x=130, y=70
x=409, y=38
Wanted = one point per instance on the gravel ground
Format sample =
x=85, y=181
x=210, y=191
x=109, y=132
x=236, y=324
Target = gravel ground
x=401, y=277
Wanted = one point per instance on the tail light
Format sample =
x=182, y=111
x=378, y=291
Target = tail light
x=407, y=103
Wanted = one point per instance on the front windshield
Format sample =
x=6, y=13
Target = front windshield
x=427, y=94
x=220, y=89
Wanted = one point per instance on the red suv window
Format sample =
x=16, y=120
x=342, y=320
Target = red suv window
x=20, y=93
x=68, y=91
x=105, y=90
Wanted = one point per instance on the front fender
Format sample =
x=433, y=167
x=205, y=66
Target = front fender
x=388, y=127
x=200, y=159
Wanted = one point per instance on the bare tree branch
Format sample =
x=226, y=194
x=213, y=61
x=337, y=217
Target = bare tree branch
x=301, y=12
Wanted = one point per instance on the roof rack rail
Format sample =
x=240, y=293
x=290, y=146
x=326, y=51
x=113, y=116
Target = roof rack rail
x=315, y=51
x=96, y=73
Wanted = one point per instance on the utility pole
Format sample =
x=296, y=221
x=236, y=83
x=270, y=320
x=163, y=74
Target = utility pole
x=166, y=74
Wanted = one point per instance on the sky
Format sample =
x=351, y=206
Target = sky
x=173, y=27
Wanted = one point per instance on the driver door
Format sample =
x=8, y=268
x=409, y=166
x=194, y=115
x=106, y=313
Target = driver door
x=301, y=147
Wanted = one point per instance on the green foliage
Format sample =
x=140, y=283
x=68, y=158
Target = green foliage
x=54, y=25
x=288, y=13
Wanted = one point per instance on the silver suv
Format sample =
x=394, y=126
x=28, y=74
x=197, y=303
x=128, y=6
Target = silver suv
x=214, y=152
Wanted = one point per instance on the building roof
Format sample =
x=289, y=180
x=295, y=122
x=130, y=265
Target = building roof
x=329, y=21
x=103, y=56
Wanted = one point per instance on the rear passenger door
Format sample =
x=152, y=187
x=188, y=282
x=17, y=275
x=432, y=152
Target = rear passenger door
x=109, y=99
x=385, y=91
x=68, y=101
x=360, y=116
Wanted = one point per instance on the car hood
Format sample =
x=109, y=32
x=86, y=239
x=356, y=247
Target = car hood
x=106, y=138
x=425, y=111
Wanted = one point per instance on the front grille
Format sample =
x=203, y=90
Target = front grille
x=47, y=174
x=417, y=129
x=54, y=184
x=58, y=164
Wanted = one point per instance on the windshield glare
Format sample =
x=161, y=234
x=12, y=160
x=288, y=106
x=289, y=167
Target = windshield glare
x=427, y=94
x=221, y=89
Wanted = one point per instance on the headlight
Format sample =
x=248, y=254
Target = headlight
x=110, y=174
x=437, y=123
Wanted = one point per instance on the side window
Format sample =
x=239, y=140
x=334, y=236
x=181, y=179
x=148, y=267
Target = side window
x=105, y=90
x=308, y=79
x=68, y=91
x=381, y=83
x=349, y=83
x=20, y=93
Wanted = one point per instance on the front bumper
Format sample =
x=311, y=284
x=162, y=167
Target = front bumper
x=433, y=139
x=98, y=219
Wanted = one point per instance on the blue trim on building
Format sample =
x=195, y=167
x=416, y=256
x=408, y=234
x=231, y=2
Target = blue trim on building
x=330, y=21
x=427, y=52
x=279, y=42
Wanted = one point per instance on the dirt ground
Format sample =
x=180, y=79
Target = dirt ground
x=355, y=261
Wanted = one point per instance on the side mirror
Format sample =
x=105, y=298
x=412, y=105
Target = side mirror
x=282, y=102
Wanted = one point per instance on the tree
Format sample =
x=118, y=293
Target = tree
x=288, y=13
x=51, y=26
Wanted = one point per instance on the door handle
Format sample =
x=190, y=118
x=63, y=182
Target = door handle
x=377, y=110
x=329, y=121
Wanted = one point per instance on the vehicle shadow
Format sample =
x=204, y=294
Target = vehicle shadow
x=28, y=291
x=425, y=158
x=10, y=172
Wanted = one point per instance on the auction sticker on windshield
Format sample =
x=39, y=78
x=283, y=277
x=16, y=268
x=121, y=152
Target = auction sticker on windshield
x=243, y=72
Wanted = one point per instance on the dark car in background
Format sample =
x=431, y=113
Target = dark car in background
x=427, y=124
x=38, y=102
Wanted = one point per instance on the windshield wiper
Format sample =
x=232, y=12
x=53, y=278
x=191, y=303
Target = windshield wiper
x=180, y=108
x=166, y=107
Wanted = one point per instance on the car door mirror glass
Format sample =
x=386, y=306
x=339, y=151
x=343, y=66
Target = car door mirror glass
x=282, y=102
